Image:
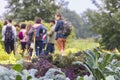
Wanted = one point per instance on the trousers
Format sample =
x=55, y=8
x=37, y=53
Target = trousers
x=61, y=44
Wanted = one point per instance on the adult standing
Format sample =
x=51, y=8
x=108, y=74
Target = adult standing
x=40, y=31
x=9, y=36
x=29, y=39
x=51, y=38
x=60, y=38
x=17, y=26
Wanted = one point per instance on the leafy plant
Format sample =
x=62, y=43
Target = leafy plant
x=96, y=63
x=55, y=74
x=18, y=67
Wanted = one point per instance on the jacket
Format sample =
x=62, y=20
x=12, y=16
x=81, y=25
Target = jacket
x=24, y=35
x=58, y=29
x=37, y=27
x=51, y=35
x=13, y=30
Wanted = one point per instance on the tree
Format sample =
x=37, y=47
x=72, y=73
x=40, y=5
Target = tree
x=82, y=29
x=21, y=10
x=106, y=22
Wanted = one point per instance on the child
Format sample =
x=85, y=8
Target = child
x=23, y=38
x=51, y=38
x=39, y=30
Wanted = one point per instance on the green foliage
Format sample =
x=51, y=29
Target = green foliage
x=82, y=29
x=101, y=65
x=106, y=22
x=29, y=78
x=80, y=78
x=53, y=74
x=18, y=67
x=85, y=78
x=66, y=61
x=1, y=25
x=21, y=10
x=18, y=77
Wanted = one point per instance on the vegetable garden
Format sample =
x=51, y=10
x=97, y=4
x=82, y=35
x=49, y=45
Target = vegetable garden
x=84, y=60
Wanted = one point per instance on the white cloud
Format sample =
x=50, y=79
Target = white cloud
x=2, y=6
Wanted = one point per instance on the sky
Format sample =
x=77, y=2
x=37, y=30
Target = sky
x=2, y=5
x=80, y=5
x=76, y=5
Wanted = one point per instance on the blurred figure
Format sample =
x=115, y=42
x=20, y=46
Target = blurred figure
x=17, y=26
x=23, y=37
x=39, y=31
x=9, y=36
x=60, y=38
x=51, y=38
x=29, y=39
x=5, y=22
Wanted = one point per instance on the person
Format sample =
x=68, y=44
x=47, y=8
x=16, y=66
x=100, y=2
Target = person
x=5, y=22
x=23, y=39
x=17, y=26
x=60, y=38
x=51, y=38
x=29, y=39
x=40, y=31
x=9, y=36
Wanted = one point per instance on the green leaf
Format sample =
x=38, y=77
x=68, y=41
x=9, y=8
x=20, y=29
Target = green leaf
x=99, y=74
x=90, y=58
x=106, y=60
x=89, y=77
x=17, y=67
x=85, y=65
x=29, y=77
x=80, y=78
x=92, y=53
x=117, y=64
x=18, y=77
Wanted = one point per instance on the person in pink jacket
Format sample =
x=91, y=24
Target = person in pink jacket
x=23, y=40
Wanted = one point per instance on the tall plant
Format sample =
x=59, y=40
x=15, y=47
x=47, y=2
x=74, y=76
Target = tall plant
x=100, y=65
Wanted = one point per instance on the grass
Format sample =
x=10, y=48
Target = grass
x=82, y=44
x=74, y=46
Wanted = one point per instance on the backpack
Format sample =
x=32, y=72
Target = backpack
x=8, y=33
x=67, y=28
x=20, y=35
x=40, y=33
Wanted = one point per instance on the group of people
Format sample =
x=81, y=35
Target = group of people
x=34, y=38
